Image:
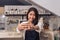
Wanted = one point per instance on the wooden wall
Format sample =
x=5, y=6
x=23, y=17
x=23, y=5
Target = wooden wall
x=1, y=10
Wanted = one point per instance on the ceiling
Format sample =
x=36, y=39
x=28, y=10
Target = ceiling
x=13, y=2
x=51, y=5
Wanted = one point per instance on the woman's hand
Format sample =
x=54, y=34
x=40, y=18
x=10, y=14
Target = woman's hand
x=25, y=26
x=36, y=27
x=22, y=26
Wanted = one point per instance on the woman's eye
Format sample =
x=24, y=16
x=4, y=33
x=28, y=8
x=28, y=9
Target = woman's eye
x=30, y=14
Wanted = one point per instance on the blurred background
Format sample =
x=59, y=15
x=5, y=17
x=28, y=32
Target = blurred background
x=14, y=11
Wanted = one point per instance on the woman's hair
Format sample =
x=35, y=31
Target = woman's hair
x=35, y=21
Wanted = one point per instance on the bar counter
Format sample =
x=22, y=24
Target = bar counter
x=8, y=35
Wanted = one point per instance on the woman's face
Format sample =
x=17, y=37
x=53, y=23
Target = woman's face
x=31, y=16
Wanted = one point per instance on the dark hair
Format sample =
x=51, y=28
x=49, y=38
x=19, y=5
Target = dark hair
x=59, y=28
x=35, y=21
x=46, y=25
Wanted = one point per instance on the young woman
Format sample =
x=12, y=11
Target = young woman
x=30, y=25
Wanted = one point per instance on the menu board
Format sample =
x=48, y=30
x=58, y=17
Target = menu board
x=13, y=9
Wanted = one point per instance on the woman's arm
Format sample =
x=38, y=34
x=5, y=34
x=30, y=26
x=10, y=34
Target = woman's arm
x=20, y=27
x=25, y=26
x=36, y=27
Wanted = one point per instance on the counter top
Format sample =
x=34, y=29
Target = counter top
x=8, y=34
